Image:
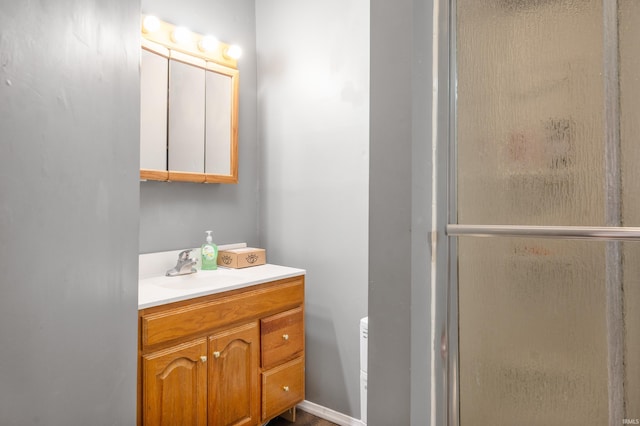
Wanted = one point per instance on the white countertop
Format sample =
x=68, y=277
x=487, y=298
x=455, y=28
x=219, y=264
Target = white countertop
x=159, y=290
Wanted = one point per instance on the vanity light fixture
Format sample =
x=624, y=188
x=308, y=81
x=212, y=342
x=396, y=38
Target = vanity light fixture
x=234, y=51
x=208, y=44
x=150, y=24
x=173, y=41
x=181, y=35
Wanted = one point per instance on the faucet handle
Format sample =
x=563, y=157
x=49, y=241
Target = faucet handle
x=184, y=254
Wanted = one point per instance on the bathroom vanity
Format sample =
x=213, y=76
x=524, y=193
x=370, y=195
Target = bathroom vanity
x=223, y=347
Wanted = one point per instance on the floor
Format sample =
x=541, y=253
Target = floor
x=302, y=419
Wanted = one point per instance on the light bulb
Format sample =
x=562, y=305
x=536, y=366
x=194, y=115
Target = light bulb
x=233, y=51
x=150, y=24
x=181, y=35
x=208, y=44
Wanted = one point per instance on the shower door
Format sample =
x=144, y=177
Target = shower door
x=546, y=212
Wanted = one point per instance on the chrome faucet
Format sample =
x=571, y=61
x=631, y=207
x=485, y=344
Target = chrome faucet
x=184, y=266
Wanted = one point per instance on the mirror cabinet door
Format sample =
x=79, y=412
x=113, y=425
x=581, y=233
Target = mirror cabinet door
x=218, y=124
x=153, y=113
x=186, y=121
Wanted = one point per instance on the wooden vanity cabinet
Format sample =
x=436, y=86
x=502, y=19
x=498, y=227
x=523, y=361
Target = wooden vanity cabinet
x=233, y=358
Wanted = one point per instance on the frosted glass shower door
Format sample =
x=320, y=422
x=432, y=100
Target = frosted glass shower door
x=547, y=143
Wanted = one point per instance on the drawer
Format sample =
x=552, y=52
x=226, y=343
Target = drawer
x=282, y=388
x=282, y=337
x=202, y=315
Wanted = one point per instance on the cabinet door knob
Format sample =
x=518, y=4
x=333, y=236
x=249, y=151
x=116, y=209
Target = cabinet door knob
x=285, y=337
x=216, y=354
x=203, y=358
x=285, y=388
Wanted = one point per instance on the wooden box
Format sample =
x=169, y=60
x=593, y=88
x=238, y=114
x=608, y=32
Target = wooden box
x=242, y=257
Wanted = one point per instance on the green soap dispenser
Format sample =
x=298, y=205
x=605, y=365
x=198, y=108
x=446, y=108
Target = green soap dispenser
x=209, y=254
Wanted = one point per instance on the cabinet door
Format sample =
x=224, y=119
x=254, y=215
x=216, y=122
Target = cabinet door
x=233, y=376
x=186, y=118
x=175, y=385
x=154, y=71
x=218, y=149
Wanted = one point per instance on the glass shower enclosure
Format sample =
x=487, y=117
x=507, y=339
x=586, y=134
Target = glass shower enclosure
x=545, y=216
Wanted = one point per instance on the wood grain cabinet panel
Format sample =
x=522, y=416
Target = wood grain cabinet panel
x=166, y=325
x=222, y=360
x=233, y=386
x=175, y=385
x=282, y=337
x=282, y=387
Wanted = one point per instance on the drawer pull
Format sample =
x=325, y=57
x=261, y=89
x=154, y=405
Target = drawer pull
x=203, y=358
x=285, y=388
x=285, y=337
x=216, y=354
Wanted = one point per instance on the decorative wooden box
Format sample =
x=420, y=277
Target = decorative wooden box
x=242, y=257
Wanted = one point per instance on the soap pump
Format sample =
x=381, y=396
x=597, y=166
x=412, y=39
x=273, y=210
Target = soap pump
x=209, y=254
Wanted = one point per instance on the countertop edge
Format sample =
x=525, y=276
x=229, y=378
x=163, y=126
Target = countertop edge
x=288, y=272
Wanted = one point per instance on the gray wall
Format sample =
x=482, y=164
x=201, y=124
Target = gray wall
x=313, y=108
x=403, y=323
x=69, y=120
x=175, y=215
x=390, y=214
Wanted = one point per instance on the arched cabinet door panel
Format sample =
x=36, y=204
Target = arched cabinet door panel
x=234, y=399
x=175, y=385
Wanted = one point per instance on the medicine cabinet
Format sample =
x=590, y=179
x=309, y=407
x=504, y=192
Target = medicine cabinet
x=188, y=108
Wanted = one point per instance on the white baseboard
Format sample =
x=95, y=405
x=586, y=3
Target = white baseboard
x=329, y=414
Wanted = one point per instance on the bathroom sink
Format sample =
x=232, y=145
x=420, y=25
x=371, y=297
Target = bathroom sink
x=196, y=281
